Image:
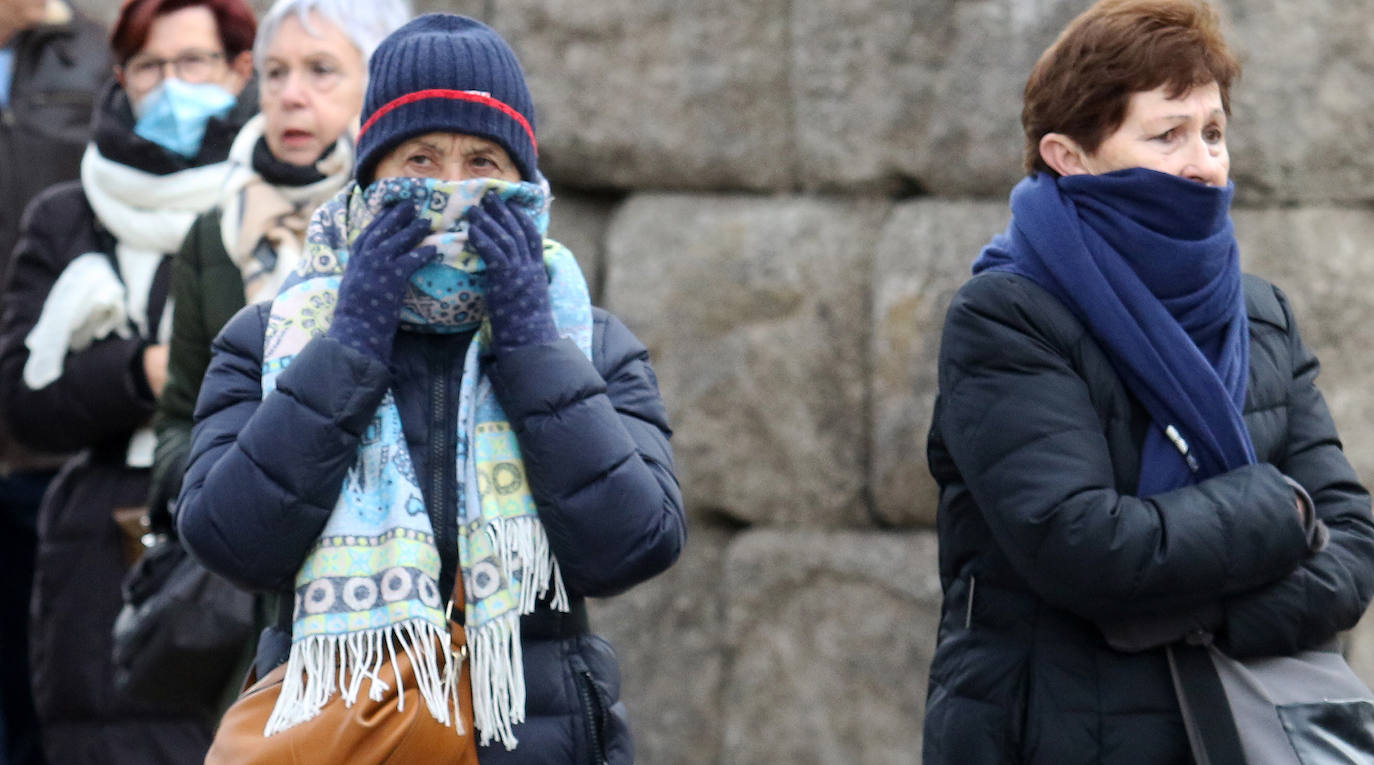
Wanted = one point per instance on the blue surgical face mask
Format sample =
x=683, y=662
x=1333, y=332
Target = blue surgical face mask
x=174, y=114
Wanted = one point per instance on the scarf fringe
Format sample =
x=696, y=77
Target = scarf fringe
x=321, y=664
x=498, y=676
x=527, y=557
x=498, y=682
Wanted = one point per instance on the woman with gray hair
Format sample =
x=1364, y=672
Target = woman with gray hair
x=311, y=59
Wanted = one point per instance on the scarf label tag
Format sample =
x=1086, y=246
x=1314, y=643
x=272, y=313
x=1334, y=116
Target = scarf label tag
x=1177, y=438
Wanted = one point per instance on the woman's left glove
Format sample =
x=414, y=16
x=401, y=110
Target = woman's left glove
x=517, y=281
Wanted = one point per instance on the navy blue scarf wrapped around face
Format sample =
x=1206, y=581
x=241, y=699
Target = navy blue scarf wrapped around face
x=1149, y=263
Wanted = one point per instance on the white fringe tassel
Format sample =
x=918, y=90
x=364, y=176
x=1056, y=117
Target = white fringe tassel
x=321, y=663
x=498, y=667
x=498, y=679
x=318, y=662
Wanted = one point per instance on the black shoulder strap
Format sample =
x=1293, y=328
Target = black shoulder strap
x=1202, y=700
x=157, y=295
x=158, y=292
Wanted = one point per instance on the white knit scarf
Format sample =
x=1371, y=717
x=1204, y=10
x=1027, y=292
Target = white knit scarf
x=149, y=215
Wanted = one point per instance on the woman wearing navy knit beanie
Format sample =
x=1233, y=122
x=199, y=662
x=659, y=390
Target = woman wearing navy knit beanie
x=1133, y=456
x=433, y=446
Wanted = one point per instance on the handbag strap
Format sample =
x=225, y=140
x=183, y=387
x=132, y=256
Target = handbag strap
x=1202, y=700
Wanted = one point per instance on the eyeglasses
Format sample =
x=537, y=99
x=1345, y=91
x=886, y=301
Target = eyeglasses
x=191, y=66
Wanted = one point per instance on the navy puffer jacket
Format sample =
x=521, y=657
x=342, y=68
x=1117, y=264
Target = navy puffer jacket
x=1035, y=442
x=264, y=475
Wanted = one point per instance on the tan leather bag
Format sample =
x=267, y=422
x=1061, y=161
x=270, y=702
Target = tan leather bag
x=133, y=532
x=362, y=734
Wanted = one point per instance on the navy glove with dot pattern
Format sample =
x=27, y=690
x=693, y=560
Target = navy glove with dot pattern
x=382, y=260
x=517, y=287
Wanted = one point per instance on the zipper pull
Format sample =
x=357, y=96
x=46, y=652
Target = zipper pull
x=1182, y=446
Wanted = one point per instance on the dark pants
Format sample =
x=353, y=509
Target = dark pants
x=20, y=495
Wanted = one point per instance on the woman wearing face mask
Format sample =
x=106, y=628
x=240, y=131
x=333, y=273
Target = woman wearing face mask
x=1132, y=453
x=430, y=436
x=83, y=352
x=311, y=58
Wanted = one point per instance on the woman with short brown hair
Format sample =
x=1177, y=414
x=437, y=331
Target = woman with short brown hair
x=1083, y=83
x=1130, y=446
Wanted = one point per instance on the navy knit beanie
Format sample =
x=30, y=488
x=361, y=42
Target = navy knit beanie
x=446, y=73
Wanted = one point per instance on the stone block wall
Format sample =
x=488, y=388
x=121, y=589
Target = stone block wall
x=779, y=197
x=805, y=183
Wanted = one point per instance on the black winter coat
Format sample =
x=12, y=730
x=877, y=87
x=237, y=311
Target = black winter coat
x=1035, y=443
x=58, y=67
x=264, y=476
x=101, y=398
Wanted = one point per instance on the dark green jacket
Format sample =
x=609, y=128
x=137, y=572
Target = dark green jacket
x=208, y=290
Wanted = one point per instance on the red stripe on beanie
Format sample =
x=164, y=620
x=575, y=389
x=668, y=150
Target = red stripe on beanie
x=456, y=95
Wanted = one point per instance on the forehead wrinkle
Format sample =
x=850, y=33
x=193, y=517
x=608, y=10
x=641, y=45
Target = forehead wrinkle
x=472, y=144
x=315, y=48
x=460, y=144
x=423, y=143
x=1213, y=114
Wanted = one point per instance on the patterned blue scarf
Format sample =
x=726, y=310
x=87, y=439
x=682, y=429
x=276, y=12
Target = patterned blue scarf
x=1149, y=263
x=370, y=583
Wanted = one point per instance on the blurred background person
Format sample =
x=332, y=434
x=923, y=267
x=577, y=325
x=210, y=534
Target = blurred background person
x=53, y=60
x=311, y=61
x=83, y=353
x=52, y=63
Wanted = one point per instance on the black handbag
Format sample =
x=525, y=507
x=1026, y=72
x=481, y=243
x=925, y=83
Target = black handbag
x=182, y=632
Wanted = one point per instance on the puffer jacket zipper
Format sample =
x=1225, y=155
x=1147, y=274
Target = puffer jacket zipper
x=594, y=715
x=442, y=461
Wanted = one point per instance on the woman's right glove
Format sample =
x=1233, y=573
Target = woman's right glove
x=383, y=259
